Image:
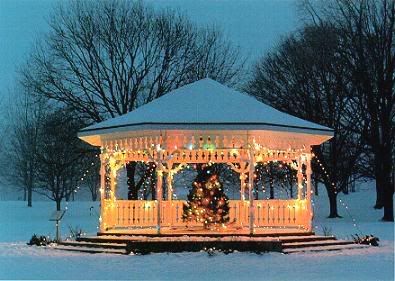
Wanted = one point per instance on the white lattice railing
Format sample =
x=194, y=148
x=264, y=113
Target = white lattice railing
x=267, y=213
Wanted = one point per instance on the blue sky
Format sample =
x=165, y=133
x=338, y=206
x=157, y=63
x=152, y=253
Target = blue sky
x=255, y=26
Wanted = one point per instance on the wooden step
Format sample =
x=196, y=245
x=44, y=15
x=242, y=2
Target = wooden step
x=144, y=245
x=325, y=248
x=108, y=239
x=90, y=250
x=307, y=238
x=93, y=244
x=160, y=244
x=127, y=238
x=317, y=243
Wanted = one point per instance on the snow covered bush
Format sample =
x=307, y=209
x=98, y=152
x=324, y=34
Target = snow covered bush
x=39, y=240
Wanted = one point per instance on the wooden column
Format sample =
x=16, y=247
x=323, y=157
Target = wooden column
x=113, y=178
x=102, y=192
x=242, y=170
x=251, y=169
x=111, y=217
x=242, y=185
x=308, y=191
x=159, y=179
x=299, y=176
x=169, y=183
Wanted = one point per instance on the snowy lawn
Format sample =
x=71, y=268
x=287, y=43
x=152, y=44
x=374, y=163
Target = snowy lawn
x=18, y=261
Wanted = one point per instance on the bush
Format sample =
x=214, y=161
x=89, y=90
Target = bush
x=39, y=240
x=326, y=231
x=75, y=232
x=366, y=240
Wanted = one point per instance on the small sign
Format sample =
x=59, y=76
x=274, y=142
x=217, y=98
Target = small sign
x=57, y=215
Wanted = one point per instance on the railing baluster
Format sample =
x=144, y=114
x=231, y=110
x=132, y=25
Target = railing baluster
x=278, y=214
x=139, y=213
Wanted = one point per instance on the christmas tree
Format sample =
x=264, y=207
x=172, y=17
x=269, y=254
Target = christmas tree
x=207, y=202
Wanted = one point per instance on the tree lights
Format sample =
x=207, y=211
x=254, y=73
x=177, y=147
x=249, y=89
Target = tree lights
x=207, y=202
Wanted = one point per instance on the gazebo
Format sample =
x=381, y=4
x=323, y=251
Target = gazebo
x=205, y=122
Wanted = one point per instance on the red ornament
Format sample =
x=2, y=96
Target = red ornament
x=205, y=201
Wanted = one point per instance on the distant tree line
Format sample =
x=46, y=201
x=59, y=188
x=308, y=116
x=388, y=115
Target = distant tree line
x=338, y=71
x=100, y=60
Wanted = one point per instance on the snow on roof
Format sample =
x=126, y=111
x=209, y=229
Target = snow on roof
x=205, y=104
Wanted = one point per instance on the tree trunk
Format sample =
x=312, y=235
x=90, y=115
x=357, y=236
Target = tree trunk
x=30, y=186
x=29, y=196
x=58, y=205
x=271, y=181
x=130, y=172
x=271, y=188
x=291, y=190
x=94, y=196
x=67, y=195
x=379, y=187
x=346, y=187
x=332, y=195
x=388, y=204
x=316, y=187
x=388, y=188
x=153, y=184
x=256, y=192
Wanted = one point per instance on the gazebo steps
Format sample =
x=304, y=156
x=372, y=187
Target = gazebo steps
x=322, y=248
x=92, y=248
x=148, y=244
x=305, y=238
x=93, y=244
x=317, y=243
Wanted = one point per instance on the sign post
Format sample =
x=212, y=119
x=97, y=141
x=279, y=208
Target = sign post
x=57, y=216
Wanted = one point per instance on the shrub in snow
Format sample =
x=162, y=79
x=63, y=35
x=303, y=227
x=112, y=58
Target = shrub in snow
x=327, y=231
x=39, y=240
x=367, y=240
x=75, y=232
x=212, y=251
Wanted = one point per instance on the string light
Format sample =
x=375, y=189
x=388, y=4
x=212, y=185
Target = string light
x=77, y=188
x=335, y=190
x=271, y=153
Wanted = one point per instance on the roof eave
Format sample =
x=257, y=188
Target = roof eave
x=87, y=134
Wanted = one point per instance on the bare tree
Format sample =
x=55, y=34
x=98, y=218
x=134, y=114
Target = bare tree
x=19, y=158
x=106, y=58
x=275, y=175
x=91, y=175
x=367, y=32
x=60, y=155
x=305, y=77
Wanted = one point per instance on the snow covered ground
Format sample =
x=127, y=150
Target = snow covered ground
x=18, y=261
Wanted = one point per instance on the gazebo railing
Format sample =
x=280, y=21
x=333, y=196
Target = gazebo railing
x=267, y=213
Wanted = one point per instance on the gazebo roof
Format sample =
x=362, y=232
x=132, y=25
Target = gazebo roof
x=205, y=105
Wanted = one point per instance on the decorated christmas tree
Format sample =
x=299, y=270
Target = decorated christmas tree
x=207, y=202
